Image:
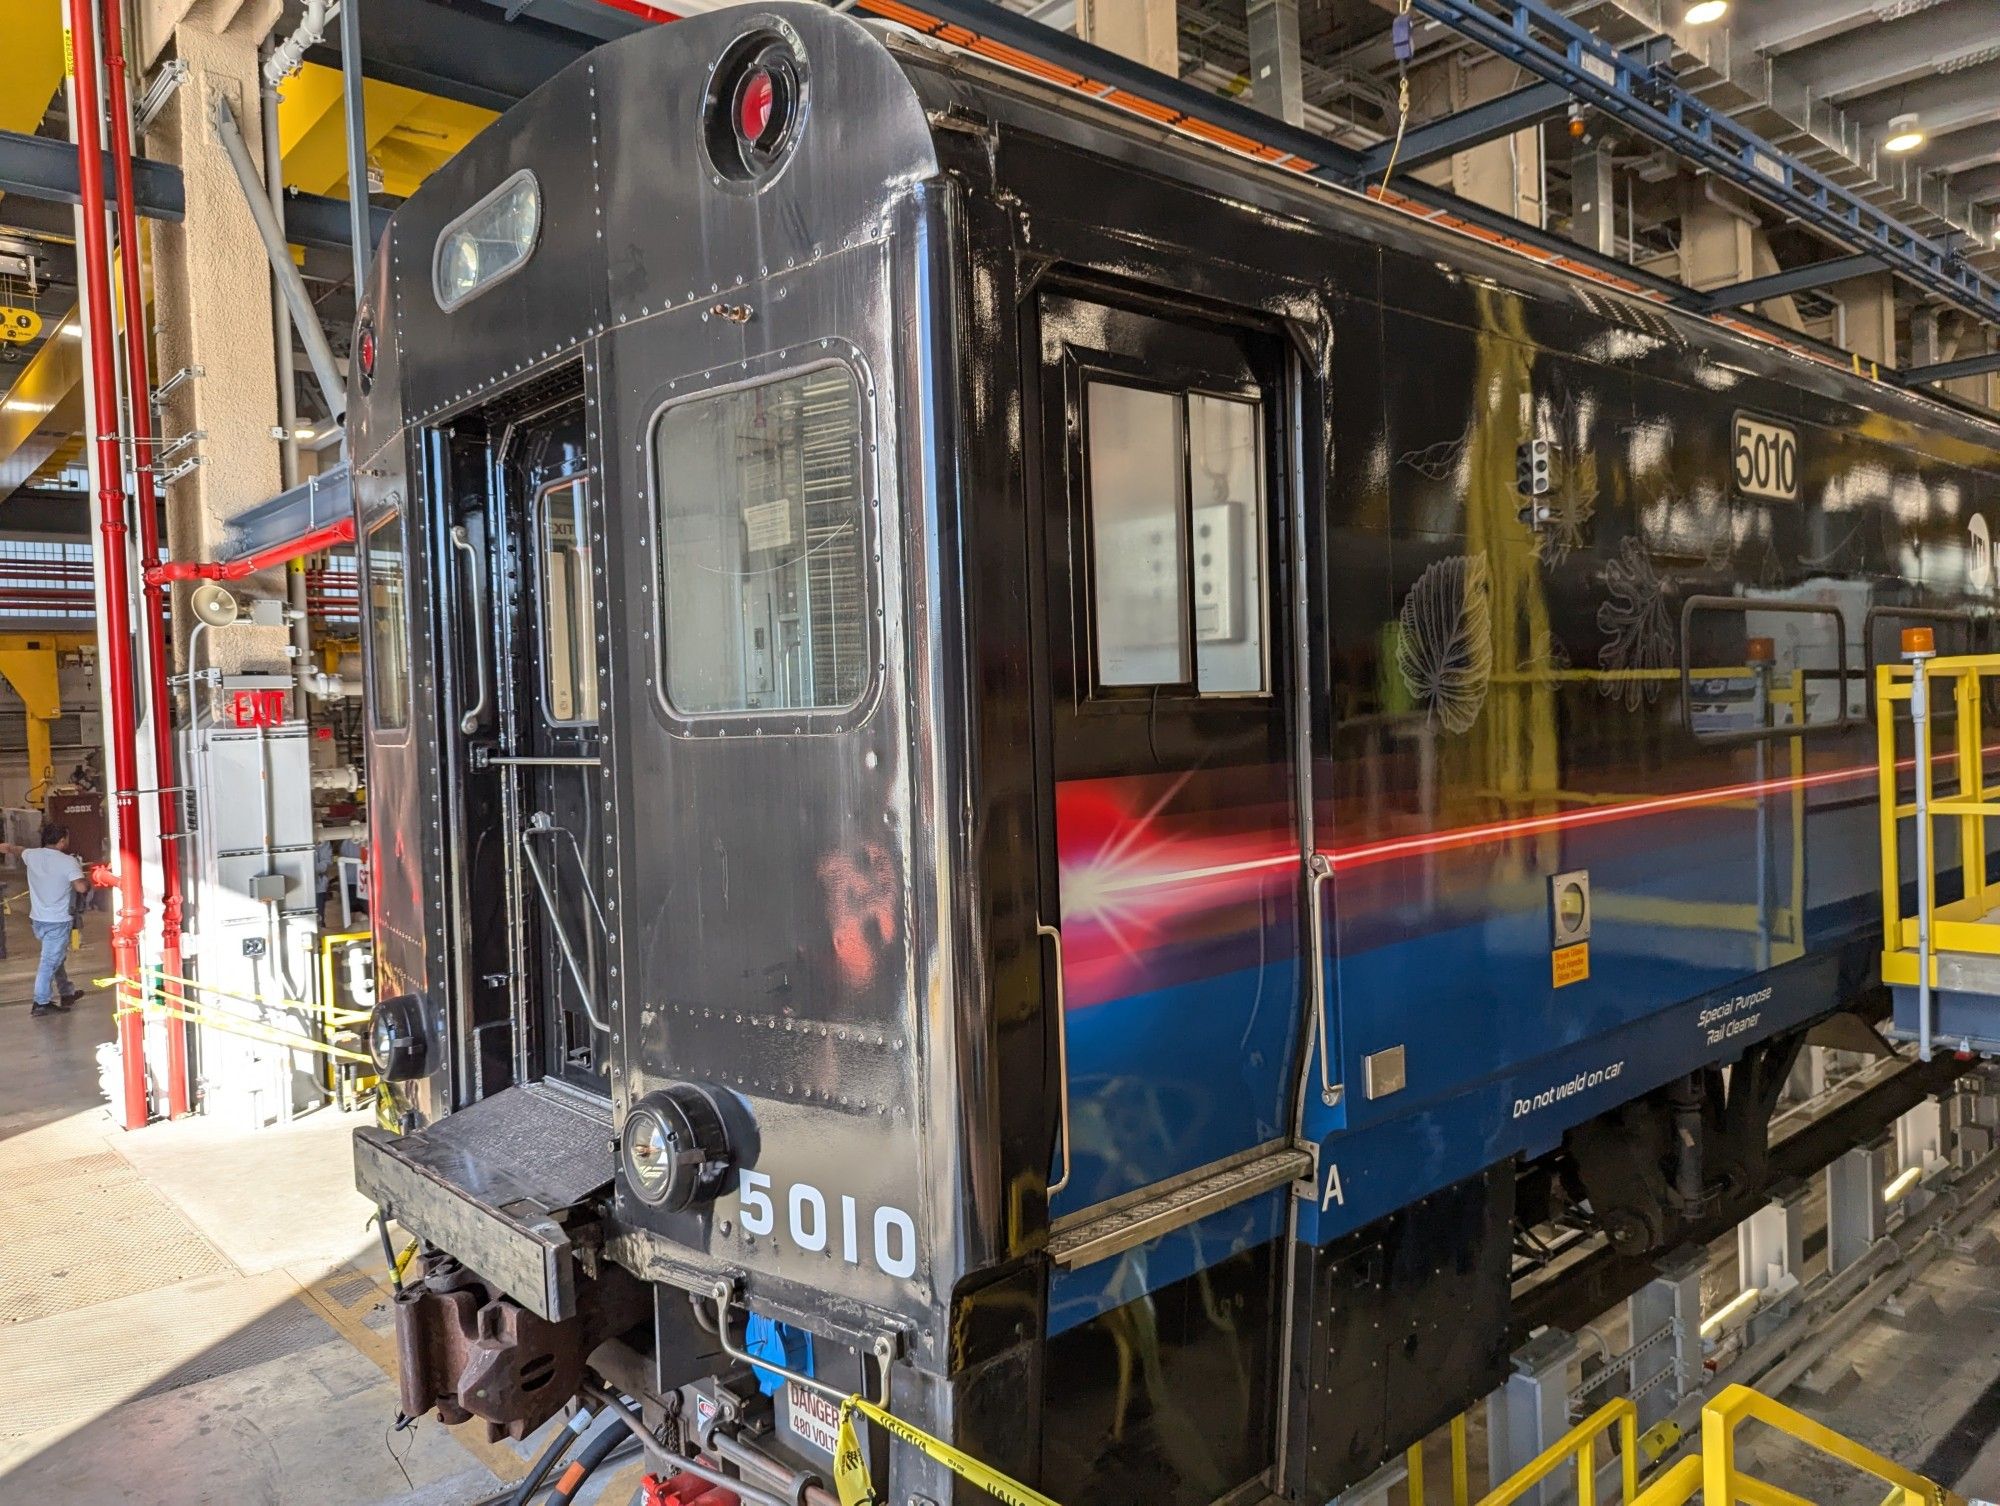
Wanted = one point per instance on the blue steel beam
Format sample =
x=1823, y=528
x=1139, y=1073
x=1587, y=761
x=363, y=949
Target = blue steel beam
x=44, y=168
x=1945, y=371
x=1473, y=126
x=1556, y=49
x=1781, y=284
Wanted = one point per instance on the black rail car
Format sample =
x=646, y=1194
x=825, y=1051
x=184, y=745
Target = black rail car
x=1020, y=763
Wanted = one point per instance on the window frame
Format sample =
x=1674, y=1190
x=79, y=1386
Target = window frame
x=777, y=366
x=399, y=731
x=538, y=516
x=1181, y=383
x=1744, y=605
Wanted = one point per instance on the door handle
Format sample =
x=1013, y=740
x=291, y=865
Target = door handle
x=476, y=712
x=1319, y=868
x=1053, y=935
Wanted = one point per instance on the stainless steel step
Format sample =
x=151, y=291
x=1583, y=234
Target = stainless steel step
x=1095, y=1234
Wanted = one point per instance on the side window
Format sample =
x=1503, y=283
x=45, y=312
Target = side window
x=1175, y=485
x=387, y=621
x=1755, y=668
x=569, y=609
x=764, y=548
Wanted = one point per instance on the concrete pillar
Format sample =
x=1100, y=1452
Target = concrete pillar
x=1666, y=1367
x=1723, y=242
x=1505, y=174
x=1146, y=31
x=212, y=304
x=1770, y=1255
x=1867, y=323
x=1855, y=1216
x=1276, y=81
x=1530, y=1412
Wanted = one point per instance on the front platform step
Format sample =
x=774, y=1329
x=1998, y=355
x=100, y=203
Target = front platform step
x=1111, y=1228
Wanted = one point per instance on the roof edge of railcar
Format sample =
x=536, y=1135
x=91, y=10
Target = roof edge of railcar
x=1420, y=229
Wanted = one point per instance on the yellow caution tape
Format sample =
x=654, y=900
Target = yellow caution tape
x=850, y=1469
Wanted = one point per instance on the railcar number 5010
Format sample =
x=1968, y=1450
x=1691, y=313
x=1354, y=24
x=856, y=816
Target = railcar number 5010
x=1767, y=459
x=806, y=1216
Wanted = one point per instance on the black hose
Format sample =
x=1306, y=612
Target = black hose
x=599, y=1447
x=531, y=1482
x=751, y=1495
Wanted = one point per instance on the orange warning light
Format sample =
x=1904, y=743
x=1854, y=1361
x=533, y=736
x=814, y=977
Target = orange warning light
x=1760, y=650
x=1919, y=643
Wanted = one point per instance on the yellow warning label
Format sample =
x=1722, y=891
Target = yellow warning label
x=18, y=326
x=1570, y=964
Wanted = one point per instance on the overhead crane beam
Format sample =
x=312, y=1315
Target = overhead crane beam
x=1948, y=371
x=41, y=168
x=1557, y=49
x=1473, y=126
x=1782, y=284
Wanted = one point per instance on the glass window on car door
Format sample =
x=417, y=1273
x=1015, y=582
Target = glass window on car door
x=569, y=606
x=1177, y=539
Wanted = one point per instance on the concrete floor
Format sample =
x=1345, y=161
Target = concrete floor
x=196, y=1313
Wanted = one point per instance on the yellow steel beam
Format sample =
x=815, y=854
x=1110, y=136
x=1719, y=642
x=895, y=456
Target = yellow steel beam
x=44, y=405
x=410, y=134
x=33, y=674
x=34, y=33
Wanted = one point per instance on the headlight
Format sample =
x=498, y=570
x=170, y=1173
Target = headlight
x=674, y=1148
x=397, y=1038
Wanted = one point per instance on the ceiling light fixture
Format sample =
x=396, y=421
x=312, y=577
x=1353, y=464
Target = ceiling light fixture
x=1906, y=134
x=1705, y=12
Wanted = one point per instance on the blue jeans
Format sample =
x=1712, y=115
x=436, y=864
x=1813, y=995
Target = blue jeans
x=54, y=938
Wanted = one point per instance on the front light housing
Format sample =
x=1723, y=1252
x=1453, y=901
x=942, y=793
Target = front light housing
x=674, y=1149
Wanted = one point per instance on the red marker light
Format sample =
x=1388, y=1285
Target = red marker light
x=754, y=104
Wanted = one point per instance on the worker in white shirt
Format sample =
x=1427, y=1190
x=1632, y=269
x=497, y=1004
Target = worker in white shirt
x=54, y=876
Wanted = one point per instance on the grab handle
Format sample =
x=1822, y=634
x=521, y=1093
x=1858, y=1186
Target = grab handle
x=1053, y=934
x=585, y=994
x=476, y=712
x=1319, y=868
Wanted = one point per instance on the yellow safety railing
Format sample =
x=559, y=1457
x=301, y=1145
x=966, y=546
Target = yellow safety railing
x=1962, y=924
x=1579, y=1444
x=1461, y=1473
x=1716, y=1477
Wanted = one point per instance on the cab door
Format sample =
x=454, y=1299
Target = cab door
x=1173, y=884
x=535, y=742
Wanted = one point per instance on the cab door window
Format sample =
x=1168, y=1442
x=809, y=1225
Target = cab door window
x=1177, y=539
x=569, y=607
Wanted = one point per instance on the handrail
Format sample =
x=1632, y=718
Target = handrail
x=1734, y=1405
x=1580, y=1444
x=1947, y=716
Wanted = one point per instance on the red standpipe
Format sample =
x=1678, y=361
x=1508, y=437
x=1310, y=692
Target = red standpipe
x=139, y=387
x=115, y=629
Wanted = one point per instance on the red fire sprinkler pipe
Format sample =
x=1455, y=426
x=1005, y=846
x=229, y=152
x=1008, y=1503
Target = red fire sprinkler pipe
x=138, y=385
x=115, y=630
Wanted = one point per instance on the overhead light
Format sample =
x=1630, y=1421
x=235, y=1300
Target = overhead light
x=1906, y=134
x=1705, y=12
